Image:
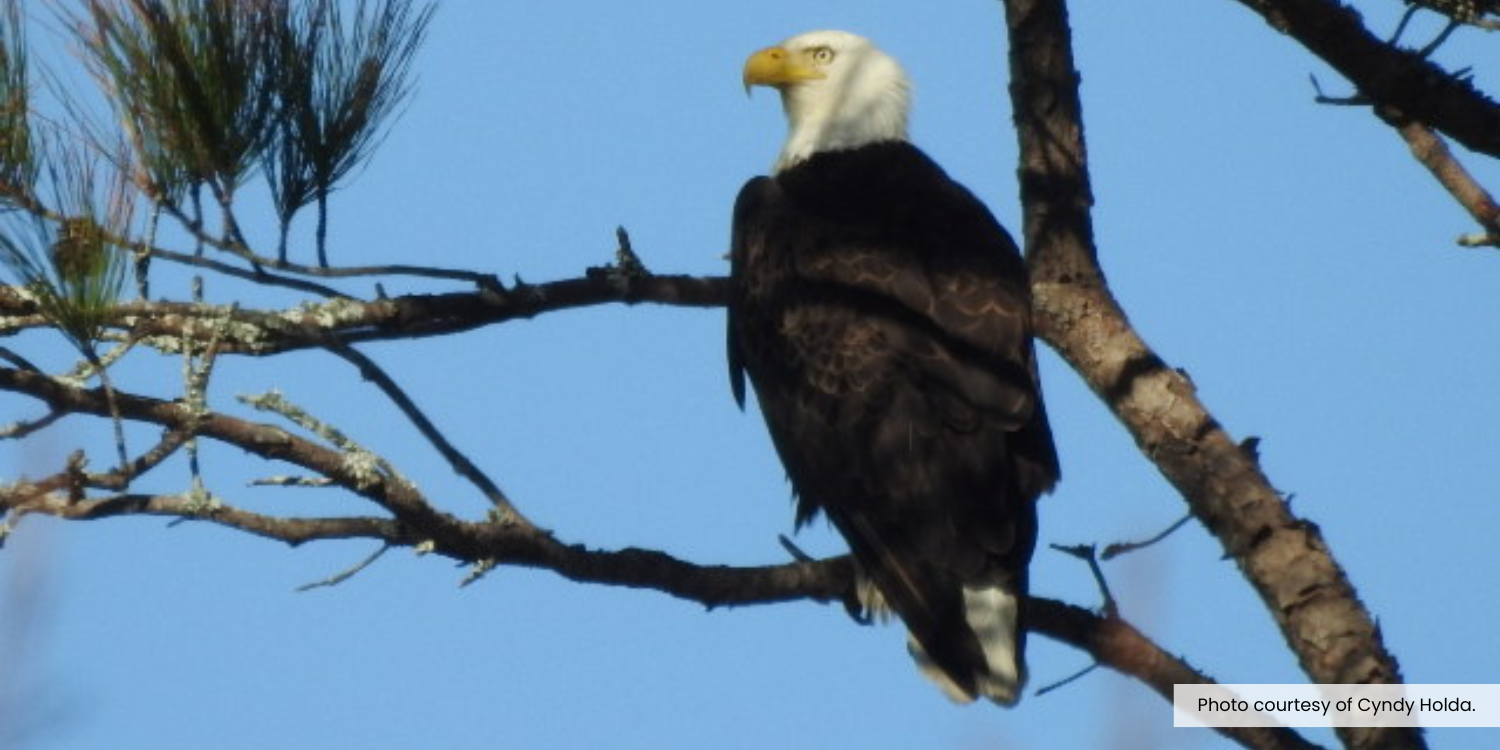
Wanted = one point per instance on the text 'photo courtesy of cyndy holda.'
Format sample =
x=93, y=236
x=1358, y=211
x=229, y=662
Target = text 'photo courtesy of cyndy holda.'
x=1432, y=706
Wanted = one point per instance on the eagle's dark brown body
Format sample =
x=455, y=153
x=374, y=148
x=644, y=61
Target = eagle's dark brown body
x=883, y=317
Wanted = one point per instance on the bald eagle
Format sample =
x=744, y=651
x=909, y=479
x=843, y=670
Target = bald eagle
x=883, y=317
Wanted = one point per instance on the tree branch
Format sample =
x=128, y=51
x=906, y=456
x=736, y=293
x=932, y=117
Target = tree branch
x=262, y=332
x=1109, y=640
x=1387, y=75
x=293, y=531
x=1283, y=557
x=1117, y=644
x=262, y=440
x=1429, y=149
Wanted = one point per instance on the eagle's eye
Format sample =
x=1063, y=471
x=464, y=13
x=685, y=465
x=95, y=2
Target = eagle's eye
x=822, y=55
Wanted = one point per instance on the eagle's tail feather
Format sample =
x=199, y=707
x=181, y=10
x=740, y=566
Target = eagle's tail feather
x=964, y=637
x=992, y=613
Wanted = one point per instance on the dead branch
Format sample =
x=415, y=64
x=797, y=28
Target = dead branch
x=1429, y=149
x=1283, y=557
x=1387, y=75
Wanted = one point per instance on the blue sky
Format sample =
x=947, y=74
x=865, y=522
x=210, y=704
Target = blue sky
x=1291, y=257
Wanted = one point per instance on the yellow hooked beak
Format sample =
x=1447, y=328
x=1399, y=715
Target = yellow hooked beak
x=775, y=67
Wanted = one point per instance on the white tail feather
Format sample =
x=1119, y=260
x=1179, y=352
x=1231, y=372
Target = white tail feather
x=992, y=614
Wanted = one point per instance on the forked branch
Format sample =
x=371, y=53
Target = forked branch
x=1282, y=556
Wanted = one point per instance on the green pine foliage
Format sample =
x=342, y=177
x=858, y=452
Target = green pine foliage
x=190, y=81
x=340, y=80
x=205, y=95
x=207, y=90
x=68, y=262
x=17, y=160
x=72, y=262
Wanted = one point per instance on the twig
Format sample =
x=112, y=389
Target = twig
x=1085, y=552
x=365, y=466
x=240, y=273
x=461, y=464
x=1120, y=548
x=240, y=250
x=121, y=478
x=1401, y=27
x=1353, y=100
x=792, y=549
x=284, y=481
x=91, y=366
x=87, y=347
x=1442, y=36
x=479, y=569
x=195, y=379
x=18, y=430
x=626, y=260
x=17, y=360
x=142, y=254
x=1064, y=682
x=345, y=575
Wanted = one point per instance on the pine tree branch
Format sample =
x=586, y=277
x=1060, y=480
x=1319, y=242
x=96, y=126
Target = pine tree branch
x=293, y=531
x=262, y=332
x=261, y=440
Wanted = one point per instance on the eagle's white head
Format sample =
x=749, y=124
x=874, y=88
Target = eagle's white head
x=838, y=89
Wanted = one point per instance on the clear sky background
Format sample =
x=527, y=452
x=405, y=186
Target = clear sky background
x=1292, y=257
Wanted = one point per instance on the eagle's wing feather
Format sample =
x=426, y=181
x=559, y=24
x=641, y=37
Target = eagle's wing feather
x=747, y=206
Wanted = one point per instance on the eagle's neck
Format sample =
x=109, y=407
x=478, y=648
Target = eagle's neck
x=823, y=116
